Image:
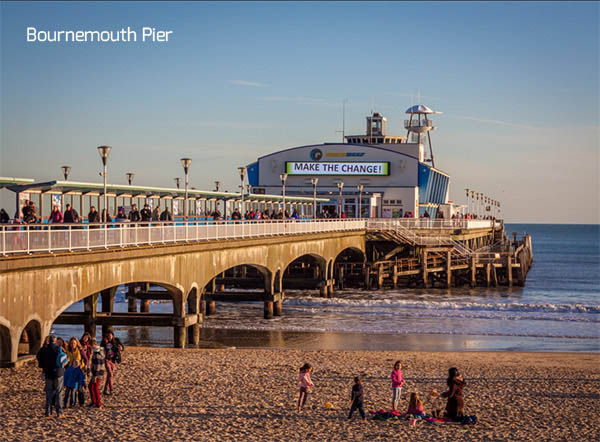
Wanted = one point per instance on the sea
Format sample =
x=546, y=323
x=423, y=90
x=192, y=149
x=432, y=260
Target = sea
x=558, y=310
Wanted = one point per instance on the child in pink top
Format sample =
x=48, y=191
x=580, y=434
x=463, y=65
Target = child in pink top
x=397, y=383
x=305, y=384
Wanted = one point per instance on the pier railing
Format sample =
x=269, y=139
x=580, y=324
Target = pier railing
x=49, y=238
x=71, y=237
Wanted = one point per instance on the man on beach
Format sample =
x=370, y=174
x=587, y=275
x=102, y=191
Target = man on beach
x=53, y=366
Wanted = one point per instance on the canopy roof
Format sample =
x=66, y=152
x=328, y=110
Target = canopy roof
x=420, y=109
x=124, y=190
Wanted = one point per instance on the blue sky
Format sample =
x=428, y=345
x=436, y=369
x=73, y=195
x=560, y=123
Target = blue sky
x=517, y=82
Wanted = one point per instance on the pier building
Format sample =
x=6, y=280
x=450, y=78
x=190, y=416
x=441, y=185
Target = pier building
x=369, y=175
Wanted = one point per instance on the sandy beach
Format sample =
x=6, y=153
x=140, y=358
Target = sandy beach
x=250, y=394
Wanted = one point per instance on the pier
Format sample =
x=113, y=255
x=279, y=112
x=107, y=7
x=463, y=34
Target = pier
x=194, y=265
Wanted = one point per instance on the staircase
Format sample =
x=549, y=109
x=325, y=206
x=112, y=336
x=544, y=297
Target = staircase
x=401, y=234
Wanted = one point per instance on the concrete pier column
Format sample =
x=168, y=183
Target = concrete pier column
x=90, y=304
x=509, y=275
x=131, y=299
x=268, y=311
x=424, y=265
x=323, y=290
x=179, y=337
x=277, y=307
x=473, y=271
x=487, y=273
x=193, y=334
x=330, y=288
x=108, y=299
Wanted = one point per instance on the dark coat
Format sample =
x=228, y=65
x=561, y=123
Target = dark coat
x=455, y=405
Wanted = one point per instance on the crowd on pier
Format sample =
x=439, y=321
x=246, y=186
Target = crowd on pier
x=69, y=367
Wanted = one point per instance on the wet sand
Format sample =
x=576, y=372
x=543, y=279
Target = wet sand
x=250, y=394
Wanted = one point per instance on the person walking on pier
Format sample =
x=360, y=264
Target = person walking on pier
x=4, y=217
x=156, y=213
x=112, y=349
x=134, y=214
x=93, y=217
x=98, y=364
x=70, y=215
x=146, y=214
x=166, y=215
x=56, y=215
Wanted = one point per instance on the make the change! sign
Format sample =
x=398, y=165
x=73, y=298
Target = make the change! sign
x=336, y=168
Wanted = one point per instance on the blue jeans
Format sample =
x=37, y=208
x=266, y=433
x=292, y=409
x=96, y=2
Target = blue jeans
x=54, y=390
x=358, y=407
x=396, y=397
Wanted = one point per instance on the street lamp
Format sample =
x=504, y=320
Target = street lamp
x=104, y=151
x=242, y=172
x=217, y=184
x=283, y=177
x=66, y=170
x=186, y=163
x=468, y=202
x=340, y=185
x=360, y=188
x=130, y=176
x=177, y=181
x=314, y=182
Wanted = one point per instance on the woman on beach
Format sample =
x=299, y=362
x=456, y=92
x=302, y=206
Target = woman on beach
x=306, y=385
x=112, y=349
x=86, y=350
x=74, y=353
x=397, y=383
x=455, y=405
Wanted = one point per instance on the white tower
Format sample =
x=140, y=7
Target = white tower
x=420, y=124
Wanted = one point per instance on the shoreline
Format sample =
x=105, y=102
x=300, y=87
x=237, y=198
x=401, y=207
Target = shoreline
x=355, y=341
x=250, y=394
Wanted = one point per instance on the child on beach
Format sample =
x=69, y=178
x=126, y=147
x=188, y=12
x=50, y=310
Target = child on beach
x=306, y=385
x=415, y=406
x=98, y=363
x=397, y=383
x=74, y=379
x=357, y=399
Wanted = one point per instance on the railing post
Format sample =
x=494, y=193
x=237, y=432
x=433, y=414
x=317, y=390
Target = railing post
x=70, y=249
x=3, y=241
x=49, y=239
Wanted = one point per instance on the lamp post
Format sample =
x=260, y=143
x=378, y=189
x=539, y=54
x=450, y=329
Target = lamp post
x=468, y=203
x=186, y=163
x=66, y=170
x=283, y=177
x=314, y=182
x=104, y=151
x=340, y=185
x=360, y=188
x=130, y=176
x=217, y=184
x=242, y=172
x=177, y=181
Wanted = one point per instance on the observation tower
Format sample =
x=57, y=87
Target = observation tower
x=420, y=124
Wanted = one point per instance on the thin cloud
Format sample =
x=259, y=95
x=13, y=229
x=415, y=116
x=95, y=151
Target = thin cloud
x=500, y=122
x=247, y=83
x=302, y=100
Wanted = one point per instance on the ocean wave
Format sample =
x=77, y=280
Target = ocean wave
x=440, y=305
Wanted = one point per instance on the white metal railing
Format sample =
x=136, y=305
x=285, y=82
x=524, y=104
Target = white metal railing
x=417, y=123
x=49, y=238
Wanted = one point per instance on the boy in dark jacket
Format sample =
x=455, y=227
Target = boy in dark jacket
x=357, y=399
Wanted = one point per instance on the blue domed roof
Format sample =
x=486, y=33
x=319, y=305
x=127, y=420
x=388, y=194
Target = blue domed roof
x=419, y=109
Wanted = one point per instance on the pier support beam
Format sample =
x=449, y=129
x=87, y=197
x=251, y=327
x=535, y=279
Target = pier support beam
x=473, y=271
x=210, y=308
x=179, y=337
x=90, y=305
x=277, y=308
x=487, y=273
x=108, y=300
x=268, y=310
x=509, y=275
x=131, y=299
x=449, y=269
x=424, y=265
x=144, y=305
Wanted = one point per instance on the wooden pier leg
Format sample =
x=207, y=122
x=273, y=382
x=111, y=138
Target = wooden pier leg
x=277, y=307
x=330, y=288
x=449, y=269
x=367, y=275
x=323, y=290
x=268, y=311
x=395, y=276
x=340, y=280
x=179, y=337
x=211, y=308
x=473, y=272
x=509, y=274
x=145, y=305
x=487, y=273
x=494, y=275
x=380, y=276
x=424, y=266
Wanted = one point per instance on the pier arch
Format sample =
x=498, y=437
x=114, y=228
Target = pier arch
x=5, y=346
x=31, y=335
